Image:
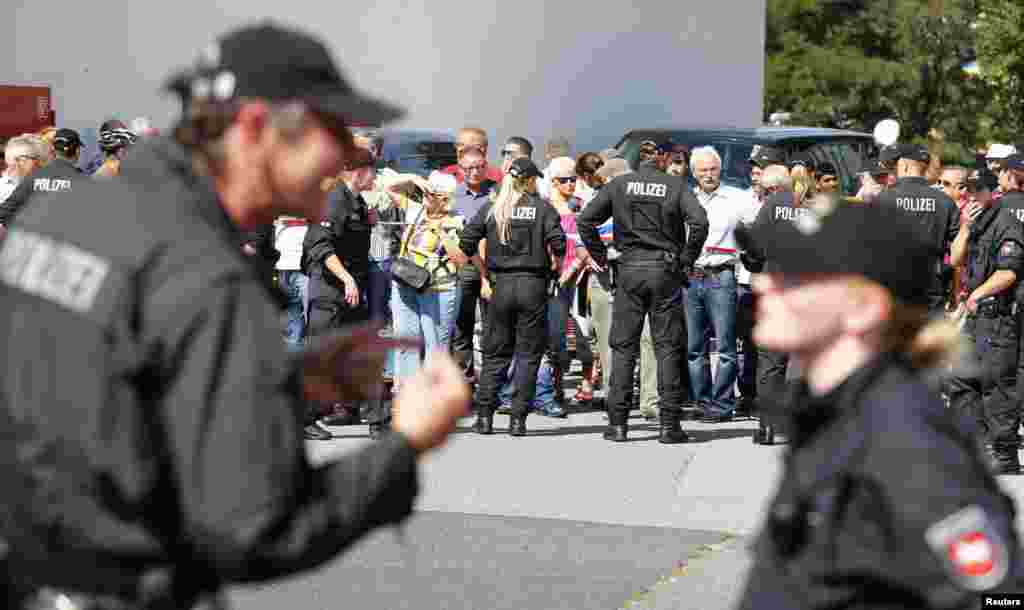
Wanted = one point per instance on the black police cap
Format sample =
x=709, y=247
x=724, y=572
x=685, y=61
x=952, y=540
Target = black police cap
x=889, y=155
x=66, y=139
x=763, y=156
x=272, y=62
x=985, y=181
x=881, y=243
x=915, y=152
x=827, y=168
x=524, y=167
x=803, y=159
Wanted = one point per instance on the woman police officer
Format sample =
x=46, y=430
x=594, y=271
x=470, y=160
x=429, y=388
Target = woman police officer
x=523, y=232
x=885, y=499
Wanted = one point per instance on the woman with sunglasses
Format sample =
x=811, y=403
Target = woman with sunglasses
x=563, y=182
x=430, y=241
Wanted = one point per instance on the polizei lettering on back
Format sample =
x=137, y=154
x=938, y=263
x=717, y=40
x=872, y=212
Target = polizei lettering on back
x=524, y=213
x=51, y=185
x=784, y=213
x=1019, y=214
x=646, y=189
x=915, y=204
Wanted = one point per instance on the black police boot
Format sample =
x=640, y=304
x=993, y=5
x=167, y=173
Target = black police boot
x=765, y=434
x=617, y=428
x=316, y=432
x=484, y=423
x=671, y=432
x=378, y=430
x=517, y=425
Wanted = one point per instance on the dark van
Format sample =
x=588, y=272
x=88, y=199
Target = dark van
x=417, y=151
x=843, y=148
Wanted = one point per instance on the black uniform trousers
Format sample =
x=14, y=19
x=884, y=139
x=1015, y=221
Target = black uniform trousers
x=329, y=312
x=647, y=289
x=516, y=327
x=469, y=286
x=771, y=382
x=747, y=349
x=986, y=392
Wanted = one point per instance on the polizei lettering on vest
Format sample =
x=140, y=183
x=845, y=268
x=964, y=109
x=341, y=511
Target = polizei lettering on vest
x=915, y=204
x=783, y=213
x=524, y=213
x=1019, y=214
x=646, y=189
x=51, y=185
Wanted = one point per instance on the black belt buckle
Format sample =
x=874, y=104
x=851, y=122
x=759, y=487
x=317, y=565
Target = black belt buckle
x=988, y=308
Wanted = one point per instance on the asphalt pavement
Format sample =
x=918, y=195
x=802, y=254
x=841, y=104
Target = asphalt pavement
x=558, y=519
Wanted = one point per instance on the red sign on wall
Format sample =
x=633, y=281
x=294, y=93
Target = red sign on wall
x=24, y=110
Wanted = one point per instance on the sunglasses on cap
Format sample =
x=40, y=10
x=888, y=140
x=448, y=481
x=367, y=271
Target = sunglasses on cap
x=566, y=179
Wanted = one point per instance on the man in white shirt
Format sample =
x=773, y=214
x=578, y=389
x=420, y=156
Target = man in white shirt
x=288, y=235
x=711, y=295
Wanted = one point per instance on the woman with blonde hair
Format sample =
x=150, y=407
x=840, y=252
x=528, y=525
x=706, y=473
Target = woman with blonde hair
x=885, y=499
x=521, y=230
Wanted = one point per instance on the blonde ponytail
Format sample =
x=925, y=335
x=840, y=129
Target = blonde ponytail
x=512, y=192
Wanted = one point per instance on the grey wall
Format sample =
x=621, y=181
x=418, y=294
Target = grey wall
x=586, y=70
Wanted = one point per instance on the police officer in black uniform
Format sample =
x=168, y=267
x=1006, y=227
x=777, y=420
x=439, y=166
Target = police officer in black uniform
x=523, y=233
x=59, y=176
x=651, y=211
x=336, y=257
x=151, y=418
x=885, y=500
x=772, y=365
x=937, y=214
x=991, y=243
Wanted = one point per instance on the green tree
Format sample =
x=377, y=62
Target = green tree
x=1000, y=45
x=851, y=63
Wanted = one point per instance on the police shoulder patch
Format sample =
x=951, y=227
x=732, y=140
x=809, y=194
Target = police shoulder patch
x=970, y=548
x=1009, y=248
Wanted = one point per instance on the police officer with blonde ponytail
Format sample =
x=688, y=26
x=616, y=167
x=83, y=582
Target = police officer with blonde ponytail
x=521, y=229
x=886, y=500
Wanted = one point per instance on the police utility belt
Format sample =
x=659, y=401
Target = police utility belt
x=995, y=307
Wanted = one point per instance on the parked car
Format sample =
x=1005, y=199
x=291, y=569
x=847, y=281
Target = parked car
x=845, y=149
x=417, y=151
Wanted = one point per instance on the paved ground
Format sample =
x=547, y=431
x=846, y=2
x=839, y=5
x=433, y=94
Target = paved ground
x=559, y=519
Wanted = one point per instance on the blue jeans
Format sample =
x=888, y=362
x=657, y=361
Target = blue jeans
x=294, y=284
x=712, y=301
x=428, y=316
x=378, y=290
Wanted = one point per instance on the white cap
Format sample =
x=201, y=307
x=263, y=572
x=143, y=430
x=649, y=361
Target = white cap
x=561, y=167
x=441, y=182
x=1000, y=151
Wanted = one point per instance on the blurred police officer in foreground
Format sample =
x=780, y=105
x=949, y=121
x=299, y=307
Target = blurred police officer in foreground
x=885, y=501
x=651, y=211
x=152, y=421
x=521, y=230
x=59, y=176
x=937, y=215
x=991, y=244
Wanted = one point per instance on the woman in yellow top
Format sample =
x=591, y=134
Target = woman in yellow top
x=430, y=240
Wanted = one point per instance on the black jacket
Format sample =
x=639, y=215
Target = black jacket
x=536, y=228
x=778, y=207
x=996, y=242
x=59, y=177
x=151, y=417
x=881, y=489
x=345, y=233
x=938, y=216
x=651, y=211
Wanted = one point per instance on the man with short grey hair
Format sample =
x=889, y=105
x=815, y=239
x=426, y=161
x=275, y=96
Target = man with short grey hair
x=23, y=155
x=711, y=297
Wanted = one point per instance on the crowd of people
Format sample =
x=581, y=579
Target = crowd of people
x=389, y=251
x=181, y=466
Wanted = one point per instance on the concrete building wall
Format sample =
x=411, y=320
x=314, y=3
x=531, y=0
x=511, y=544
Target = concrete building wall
x=585, y=70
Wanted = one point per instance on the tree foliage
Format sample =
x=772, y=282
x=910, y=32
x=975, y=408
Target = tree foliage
x=1000, y=44
x=851, y=63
